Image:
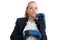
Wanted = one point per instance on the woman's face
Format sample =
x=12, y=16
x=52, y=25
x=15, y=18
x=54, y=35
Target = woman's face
x=32, y=9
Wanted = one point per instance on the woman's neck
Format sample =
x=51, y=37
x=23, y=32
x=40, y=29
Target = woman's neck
x=31, y=19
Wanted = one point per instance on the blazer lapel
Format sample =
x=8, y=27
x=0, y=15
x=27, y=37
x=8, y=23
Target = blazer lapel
x=24, y=23
x=37, y=22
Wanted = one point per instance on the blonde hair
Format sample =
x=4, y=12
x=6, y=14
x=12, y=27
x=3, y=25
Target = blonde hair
x=26, y=14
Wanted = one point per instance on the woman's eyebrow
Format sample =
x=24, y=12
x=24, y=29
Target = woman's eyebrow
x=34, y=6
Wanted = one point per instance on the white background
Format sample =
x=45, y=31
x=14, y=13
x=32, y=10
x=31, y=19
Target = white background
x=10, y=10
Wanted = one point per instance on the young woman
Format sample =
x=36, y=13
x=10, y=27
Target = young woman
x=28, y=23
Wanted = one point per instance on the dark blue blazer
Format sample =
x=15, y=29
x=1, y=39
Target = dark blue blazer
x=17, y=33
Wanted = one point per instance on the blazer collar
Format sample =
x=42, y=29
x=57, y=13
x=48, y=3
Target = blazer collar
x=37, y=22
x=26, y=19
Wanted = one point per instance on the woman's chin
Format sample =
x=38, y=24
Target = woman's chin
x=33, y=16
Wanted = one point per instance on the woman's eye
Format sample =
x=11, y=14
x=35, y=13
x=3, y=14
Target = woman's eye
x=35, y=8
x=30, y=8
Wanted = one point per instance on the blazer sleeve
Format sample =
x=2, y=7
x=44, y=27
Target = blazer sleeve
x=43, y=28
x=16, y=34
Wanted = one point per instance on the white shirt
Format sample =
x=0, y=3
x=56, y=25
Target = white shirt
x=30, y=26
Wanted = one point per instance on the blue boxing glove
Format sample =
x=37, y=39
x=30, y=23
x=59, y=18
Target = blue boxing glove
x=35, y=33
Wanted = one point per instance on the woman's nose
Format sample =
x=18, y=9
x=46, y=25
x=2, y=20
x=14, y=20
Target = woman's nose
x=33, y=9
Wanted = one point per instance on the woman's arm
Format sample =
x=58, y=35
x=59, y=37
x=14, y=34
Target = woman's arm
x=43, y=28
x=16, y=34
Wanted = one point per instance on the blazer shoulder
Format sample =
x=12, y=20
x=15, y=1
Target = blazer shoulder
x=22, y=19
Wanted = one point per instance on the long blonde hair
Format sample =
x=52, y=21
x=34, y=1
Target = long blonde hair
x=26, y=14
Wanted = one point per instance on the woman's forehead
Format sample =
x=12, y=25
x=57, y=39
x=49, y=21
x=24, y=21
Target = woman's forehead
x=32, y=4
